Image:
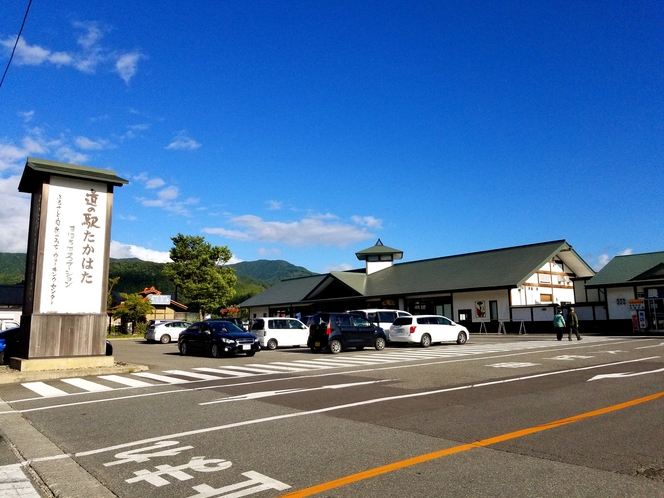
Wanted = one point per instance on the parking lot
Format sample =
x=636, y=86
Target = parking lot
x=497, y=416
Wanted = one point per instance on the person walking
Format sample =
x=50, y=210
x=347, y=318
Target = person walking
x=559, y=324
x=573, y=325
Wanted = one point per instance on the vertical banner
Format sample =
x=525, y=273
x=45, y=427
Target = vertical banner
x=74, y=246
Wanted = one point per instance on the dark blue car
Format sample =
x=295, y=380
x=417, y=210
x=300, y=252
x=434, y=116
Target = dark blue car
x=217, y=338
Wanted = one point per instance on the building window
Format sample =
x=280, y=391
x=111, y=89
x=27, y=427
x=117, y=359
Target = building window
x=546, y=298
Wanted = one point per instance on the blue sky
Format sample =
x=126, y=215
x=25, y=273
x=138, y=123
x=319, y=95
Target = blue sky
x=305, y=131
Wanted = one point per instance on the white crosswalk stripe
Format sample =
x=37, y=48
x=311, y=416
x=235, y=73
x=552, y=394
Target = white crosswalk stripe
x=311, y=364
x=44, y=389
x=126, y=381
x=161, y=378
x=87, y=385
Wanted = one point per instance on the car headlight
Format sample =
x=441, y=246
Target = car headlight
x=227, y=341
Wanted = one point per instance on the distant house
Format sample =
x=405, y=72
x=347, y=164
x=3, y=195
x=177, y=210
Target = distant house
x=165, y=307
x=11, y=302
x=628, y=293
x=511, y=285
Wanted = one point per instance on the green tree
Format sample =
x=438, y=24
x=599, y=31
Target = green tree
x=198, y=271
x=133, y=309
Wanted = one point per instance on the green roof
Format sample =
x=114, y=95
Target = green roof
x=285, y=292
x=38, y=171
x=496, y=269
x=377, y=250
x=630, y=269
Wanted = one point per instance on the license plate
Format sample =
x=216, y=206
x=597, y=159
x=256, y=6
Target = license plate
x=316, y=344
x=246, y=346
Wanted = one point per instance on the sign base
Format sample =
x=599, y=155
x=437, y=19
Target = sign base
x=42, y=364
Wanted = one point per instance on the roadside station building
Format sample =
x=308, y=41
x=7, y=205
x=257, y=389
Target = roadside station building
x=518, y=288
x=627, y=294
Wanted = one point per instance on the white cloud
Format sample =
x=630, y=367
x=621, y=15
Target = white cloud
x=310, y=231
x=603, y=259
x=12, y=157
x=121, y=251
x=268, y=252
x=127, y=65
x=15, y=216
x=274, y=205
x=90, y=55
x=368, y=221
x=154, y=183
x=86, y=143
x=166, y=199
x=183, y=142
x=69, y=155
x=27, y=115
x=339, y=267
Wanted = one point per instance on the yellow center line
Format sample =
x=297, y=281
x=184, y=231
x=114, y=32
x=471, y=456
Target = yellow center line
x=368, y=474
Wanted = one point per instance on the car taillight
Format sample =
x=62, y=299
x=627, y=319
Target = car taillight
x=412, y=329
x=328, y=331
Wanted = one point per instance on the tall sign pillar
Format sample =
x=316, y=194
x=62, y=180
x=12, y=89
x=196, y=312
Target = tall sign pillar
x=63, y=324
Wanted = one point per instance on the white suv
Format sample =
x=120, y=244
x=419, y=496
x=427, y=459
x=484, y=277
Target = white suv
x=427, y=329
x=165, y=331
x=383, y=318
x=275, y=332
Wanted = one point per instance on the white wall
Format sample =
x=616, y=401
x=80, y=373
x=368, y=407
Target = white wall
x=260, y=312
x=466, y=300
x=543, y=314
x=519, y=314
x=619, y=311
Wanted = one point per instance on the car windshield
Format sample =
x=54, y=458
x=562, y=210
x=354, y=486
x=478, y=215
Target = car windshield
x=224, y=327
x=403, y=320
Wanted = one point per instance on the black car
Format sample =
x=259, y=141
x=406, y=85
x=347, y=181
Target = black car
x=337, y=331
x=235, y=321
x=216, y=338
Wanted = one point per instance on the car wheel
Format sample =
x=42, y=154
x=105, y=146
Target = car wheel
x=335, y=346
x=316, y=349
x=165, y=339
x=425, y=342
x=184, y=349
x=462, y=338
x=360, y=348
x=251, y=353
x=380, y=344
x=272, y=344
x=215, y=350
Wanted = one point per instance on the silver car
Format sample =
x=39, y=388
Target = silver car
x=165, y=331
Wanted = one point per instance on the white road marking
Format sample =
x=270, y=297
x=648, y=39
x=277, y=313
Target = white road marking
x=513, y=364
x=463, y=352
x=44, y=389
x=193, y=375
x=87, y=385
x=569, y=357
x=302, y=363
x=161, y=378
x=232, y=373
x=280, y=392
x=623, y=375
x=329, y=409
x=126, y=381
x=332, y=363
x=653, y=346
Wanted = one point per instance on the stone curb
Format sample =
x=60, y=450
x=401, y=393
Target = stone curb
x=10, y=376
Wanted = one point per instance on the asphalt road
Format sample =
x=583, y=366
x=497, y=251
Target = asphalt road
x=500, y=416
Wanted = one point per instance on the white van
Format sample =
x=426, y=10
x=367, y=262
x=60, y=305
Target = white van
x=276, y=332
x=383, y=318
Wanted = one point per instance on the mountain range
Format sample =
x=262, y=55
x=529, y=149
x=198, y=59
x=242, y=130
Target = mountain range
x=135, y=275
